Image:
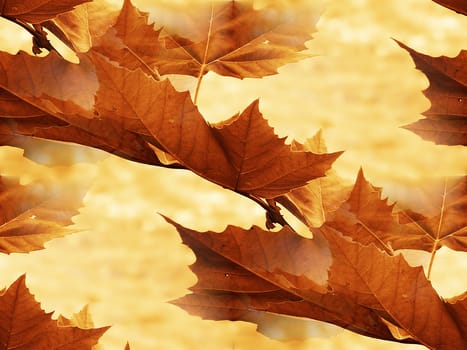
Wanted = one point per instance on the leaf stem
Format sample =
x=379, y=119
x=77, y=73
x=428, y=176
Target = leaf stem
x=438, y=231
x=432, y=259
x=202, y=69
x=198, y=84
x=273, y=215
x=39, y=36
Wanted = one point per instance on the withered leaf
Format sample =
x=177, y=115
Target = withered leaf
x=368, y=218
x=403, y=294
x=443, y=222
x=240, y=271
x=241, y=153
x=36, y=11
x=232, y=39
x=313, y=203
x=34, y=214
x=24, y=325
x=446, y=120
x=81, y=28
x=131, y=41
x=364, y=215
x=455, y=5
x=54, y=99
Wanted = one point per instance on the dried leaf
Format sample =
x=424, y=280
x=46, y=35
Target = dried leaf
x=131, y=41
x=232, y=39
x=455, y=5
x=242, y=153
x=240, y=271
x=443, y=222
x=243, y=270
x=368, y=218
x=24, y=325
x=313, y=203
x=446, y=120
x=402, y=291
x=61, y=96
x=34, y=214
x=81, y=28
x=36, y=11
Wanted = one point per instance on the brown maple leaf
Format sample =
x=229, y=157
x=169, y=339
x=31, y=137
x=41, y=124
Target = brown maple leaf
x=232, y=39
x=368, y=218
x=24, y=325
x=446, y=120
x=364, y=215
x=81, y=28
x=328, y=278
x=36, y=11
x=241, y=153
x=455, y=5
x=54, y=99
x=34, y=214
x=131, y=41
x=313, y=203
x=240, y=271
x=406, y=299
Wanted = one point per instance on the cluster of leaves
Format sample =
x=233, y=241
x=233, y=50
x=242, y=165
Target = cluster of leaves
x=118, y=98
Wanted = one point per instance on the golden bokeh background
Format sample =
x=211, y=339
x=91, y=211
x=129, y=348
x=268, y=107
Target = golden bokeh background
x=127, y=262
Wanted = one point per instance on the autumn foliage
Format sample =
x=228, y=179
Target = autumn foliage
x=116, y=95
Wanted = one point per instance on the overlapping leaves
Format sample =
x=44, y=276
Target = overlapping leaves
x=34, y=214
x=118, y=98
x=24, y=325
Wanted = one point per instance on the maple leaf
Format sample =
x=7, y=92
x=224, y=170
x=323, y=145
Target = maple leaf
x=232, y=39
x=446, y=120
x=312, y=203
x=443, y=222
x=231, y=153
x=364, y=215
x=24, y=325
x=36, y=11
x=323, y=278
x=402, y=292
x=455, y=5
x=61, y=95
x=81, y=28
x=368, y=218
x=33, y=214
x=240, y=271
x=131, y=41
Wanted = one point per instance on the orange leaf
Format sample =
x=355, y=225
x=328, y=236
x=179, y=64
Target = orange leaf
x=232, y=39
x=34, y=214
x=388, y=283
x=131, y=41
x=241, y=153
x=240, y=271
x=314, y=202
x=36, y=11
x=367, y=218
x=24, y=325
x=323, y=278
x=61, y=95
x=446, y=121
x=81, y=28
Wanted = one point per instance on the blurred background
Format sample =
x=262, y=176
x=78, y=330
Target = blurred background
x=126, y=263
